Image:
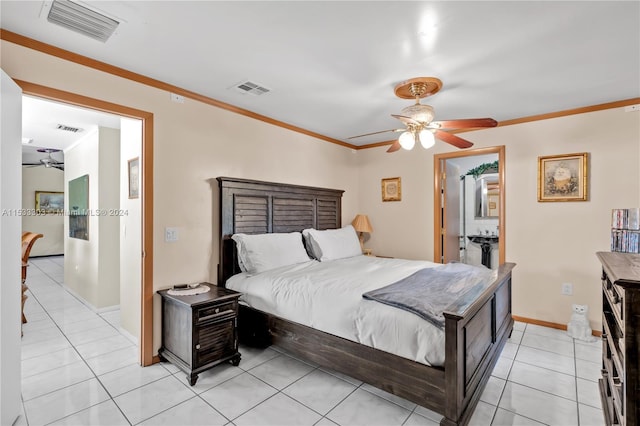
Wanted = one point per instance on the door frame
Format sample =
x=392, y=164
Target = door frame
x=438, y=231
x=146, y=182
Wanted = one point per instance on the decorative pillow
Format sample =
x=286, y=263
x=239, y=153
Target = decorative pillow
x=312, y=248
x=261, y=252
x=332, y=244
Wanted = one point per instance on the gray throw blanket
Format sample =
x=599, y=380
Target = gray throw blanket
x=428, y=292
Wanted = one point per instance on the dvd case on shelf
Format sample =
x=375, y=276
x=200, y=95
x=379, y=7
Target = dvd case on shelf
x=625, y=230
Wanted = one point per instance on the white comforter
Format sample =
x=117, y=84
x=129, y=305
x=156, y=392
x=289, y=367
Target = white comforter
x=328, y=296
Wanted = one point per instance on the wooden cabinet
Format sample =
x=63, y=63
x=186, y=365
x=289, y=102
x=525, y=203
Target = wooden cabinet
x=620, y=382
x=200, y=331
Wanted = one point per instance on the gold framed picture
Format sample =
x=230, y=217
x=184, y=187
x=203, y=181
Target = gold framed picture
x=49, y=201
x=391, y=189
x=563, y=177
x=134, y=177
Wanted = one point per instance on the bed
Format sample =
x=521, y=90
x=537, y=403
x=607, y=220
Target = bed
x=474, y=333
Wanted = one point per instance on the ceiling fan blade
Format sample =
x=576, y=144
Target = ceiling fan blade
x=406, y=120
x=375, y=133
x=467, y=123
x=453, y=139
x=394, y=147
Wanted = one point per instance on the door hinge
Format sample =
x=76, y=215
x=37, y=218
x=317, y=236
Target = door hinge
x=443, y=231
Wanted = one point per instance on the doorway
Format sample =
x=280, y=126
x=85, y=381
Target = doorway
x=146, y=191
x=448, y=225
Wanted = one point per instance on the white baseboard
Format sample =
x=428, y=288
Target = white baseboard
x=89, y=305
x=128, y=335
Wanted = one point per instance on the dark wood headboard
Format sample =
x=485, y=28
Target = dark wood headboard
x=256, y=207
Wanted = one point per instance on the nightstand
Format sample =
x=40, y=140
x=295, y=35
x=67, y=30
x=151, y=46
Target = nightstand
x=200, y=331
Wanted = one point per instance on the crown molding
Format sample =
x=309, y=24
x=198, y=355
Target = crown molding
x=139, y=78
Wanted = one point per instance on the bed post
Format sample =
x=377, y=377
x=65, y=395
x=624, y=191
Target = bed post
x=474, y=337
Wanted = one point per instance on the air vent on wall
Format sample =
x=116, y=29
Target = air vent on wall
x=250, y=87
x=68, y=128
x=82, y=20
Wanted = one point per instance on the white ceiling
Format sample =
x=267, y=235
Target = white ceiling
x=41, y=119
x=332, y=66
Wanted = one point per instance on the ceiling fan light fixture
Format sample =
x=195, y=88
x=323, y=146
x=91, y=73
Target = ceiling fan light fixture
x=407, y=140
x=419, y=112
x=427, y=140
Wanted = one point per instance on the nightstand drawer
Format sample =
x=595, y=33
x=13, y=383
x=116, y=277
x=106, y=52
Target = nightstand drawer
x=215, y=341
x=217, y=312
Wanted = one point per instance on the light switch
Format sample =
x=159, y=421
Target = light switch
x=170, y=234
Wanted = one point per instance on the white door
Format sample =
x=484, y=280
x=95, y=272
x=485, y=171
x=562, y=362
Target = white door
x=451, y=214
x=10, y=251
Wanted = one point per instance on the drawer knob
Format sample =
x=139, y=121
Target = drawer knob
x=217, y=310
x=198, y=346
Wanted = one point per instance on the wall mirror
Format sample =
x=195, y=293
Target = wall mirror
x=79, y=208
x=487, y=196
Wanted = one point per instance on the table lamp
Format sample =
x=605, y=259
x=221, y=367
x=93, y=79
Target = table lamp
x=361, y=224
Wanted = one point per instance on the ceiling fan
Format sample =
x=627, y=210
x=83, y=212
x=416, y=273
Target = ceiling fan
x=418, y=118
x=48, y=161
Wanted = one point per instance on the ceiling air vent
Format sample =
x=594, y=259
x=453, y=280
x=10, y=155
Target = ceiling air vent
x=82, y=20
x=250, y=87
x=68, y=128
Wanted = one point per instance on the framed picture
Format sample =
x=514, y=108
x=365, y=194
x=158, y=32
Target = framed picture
x=134, y=177
x=563, y=177
x=49, y=202
x=391, y=189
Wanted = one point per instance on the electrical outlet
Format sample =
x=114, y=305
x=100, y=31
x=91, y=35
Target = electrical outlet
x=567, y=289
x=170, y=234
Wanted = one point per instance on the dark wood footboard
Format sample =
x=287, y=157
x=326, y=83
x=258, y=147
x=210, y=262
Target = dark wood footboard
x=475, y=336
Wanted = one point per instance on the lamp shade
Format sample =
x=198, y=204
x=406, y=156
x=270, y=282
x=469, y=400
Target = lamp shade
x=427, y=139
x=361, y=223
x=407, y=141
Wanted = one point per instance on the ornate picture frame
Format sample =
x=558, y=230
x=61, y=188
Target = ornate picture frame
x=391, y=189
x=563, y=177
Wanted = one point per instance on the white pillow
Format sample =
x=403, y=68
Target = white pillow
x=332, y=244
x=261, y=252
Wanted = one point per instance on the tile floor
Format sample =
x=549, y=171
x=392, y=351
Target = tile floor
x=78, y=369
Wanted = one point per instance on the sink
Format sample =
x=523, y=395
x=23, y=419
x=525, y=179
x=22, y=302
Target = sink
x=483, y=239
x=485, y=242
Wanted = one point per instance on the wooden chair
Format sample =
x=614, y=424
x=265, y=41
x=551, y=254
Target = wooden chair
x=28, y=239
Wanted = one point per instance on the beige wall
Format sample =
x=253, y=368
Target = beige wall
x=51, y=226
x=194, y=143
x=130, y=232
x=109, y=221
x=92, y=267
x=81, y=256
x=552, y=243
